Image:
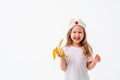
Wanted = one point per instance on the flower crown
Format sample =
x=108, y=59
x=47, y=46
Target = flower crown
x=79, y=22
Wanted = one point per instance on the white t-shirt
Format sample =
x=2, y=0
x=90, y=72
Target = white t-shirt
x=76, y=64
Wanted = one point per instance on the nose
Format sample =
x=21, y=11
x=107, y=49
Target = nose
x=77, y=34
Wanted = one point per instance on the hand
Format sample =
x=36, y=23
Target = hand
x=59, y=55
x=58, y=50
x=97, y=58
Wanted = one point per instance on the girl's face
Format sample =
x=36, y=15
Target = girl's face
x=77, y=34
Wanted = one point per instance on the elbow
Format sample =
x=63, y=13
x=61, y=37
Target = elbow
x=63, y=68
x=89, y=68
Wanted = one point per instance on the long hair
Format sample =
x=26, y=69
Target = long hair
x=87, y=49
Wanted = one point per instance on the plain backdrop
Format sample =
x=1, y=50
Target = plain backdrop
x=30, y=29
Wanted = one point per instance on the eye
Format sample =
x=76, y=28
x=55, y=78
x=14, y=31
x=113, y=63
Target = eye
x=79, y=32
x=74, y=31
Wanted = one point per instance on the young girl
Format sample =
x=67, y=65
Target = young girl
x=79, y=53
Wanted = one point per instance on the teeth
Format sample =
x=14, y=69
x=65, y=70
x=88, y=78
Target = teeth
x=76, y=38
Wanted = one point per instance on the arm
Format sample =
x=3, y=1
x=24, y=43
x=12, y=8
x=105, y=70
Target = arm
x=63, y=64
x=92, y=64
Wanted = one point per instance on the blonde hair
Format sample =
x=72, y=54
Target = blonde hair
x=87, y=49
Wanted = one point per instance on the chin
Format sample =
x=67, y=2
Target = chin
x=77, y=42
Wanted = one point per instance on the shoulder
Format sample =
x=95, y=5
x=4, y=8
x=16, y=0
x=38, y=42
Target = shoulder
x=65, y=48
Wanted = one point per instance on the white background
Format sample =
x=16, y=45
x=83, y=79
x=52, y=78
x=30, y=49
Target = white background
x=30, y=29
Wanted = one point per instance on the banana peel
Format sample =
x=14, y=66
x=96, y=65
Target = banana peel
x=59, y=50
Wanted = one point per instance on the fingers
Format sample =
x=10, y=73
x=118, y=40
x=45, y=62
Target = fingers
x=97, y=58
x=58, y=54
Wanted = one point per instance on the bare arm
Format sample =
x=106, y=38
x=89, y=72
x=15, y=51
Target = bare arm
x=92, y=64
x=63, y=64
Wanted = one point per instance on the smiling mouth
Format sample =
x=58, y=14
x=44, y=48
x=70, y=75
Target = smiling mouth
x=76, y=38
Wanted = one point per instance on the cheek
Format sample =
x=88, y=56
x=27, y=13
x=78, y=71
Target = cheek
x=72, y=35
x=82, y=36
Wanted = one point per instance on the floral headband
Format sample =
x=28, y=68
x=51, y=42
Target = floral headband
x=74, y=22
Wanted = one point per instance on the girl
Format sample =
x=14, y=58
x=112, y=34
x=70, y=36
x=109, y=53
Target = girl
x=79, y=53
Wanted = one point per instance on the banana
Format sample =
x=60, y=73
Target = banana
x=59, y=43
x=59, y=50
x=54, y=53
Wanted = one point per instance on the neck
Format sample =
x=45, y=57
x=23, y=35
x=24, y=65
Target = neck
x=76, y=45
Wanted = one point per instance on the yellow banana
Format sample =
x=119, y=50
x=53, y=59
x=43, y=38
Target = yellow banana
x=54, y=53
x=59, y=43
x=59, y=50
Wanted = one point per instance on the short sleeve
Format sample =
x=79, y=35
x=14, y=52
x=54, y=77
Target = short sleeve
x=65, y=49
x=90, y=59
